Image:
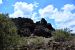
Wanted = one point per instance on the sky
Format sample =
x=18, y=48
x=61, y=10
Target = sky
x=60, y=13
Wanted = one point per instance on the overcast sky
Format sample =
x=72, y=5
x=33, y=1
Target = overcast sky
x=60, y=13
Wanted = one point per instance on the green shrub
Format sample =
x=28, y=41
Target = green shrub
x=62, y=35
x=37, y=40
x=8, y=32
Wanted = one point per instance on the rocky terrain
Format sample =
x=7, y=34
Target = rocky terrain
x=26, y=27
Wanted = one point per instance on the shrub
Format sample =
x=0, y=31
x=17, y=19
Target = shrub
x=62, y=35
x=8, y=32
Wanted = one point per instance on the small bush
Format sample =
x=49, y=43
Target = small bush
x=62, y=35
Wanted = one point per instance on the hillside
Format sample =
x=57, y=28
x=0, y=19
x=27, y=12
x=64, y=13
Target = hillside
x=24, y=34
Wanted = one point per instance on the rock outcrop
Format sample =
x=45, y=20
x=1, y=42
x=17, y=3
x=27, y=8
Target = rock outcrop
x=26, y=27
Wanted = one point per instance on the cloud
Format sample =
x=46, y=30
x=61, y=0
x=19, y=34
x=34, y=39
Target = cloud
x=35, y=17
x=68, y=7
x=47, y=11
x=23, y=9
x=63, y=17
x=0, y=1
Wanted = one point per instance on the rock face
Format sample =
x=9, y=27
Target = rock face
x=26, y=27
